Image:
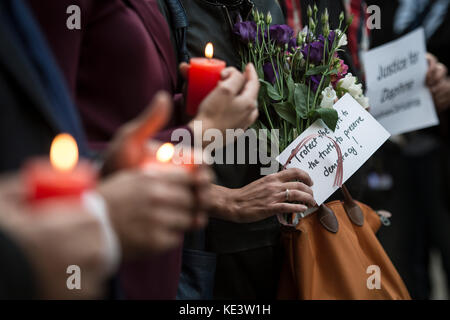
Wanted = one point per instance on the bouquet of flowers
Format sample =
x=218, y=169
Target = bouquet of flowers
x=302, y=76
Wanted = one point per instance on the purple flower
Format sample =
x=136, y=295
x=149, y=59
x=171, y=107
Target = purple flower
x=246, y=31
x=292, y=44
x=331, y=37
x=269, y=73
x=314, y=50
x=281, y=34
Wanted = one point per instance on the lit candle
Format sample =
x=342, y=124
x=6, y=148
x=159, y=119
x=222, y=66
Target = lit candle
x=63, y=176
x=165, y=153
x=204, y=74
x=163, y=159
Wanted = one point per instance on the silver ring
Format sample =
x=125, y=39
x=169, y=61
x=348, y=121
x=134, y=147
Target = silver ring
x=287, y=194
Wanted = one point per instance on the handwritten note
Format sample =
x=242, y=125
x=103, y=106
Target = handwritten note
x=358, y=135
x=395, y=76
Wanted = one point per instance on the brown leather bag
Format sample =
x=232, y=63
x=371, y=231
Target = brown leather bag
x=330, y=254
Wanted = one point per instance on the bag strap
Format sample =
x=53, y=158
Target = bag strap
x=354, y=212
x=327, y=218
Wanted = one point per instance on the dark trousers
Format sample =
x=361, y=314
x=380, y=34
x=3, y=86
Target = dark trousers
x=252, y=274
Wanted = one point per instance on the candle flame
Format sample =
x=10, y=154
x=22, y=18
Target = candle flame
x=64, y=152
x=209, y=50
x=165, y=152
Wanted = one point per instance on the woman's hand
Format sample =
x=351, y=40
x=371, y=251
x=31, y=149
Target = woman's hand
x=232, y=104
x=265, y=197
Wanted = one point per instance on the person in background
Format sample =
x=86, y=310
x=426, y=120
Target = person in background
x=429, y=219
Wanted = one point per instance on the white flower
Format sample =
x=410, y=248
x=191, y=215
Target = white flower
x=355, y=90
x=349, y=85
x=343, y=40
x=328, y=97
x=347, y=82
x=363, y=101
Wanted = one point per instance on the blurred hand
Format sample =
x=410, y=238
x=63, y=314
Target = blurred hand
x=438, y=83
x=129, y=147
x=441, y=95
x=151, y=210
x=233, y=103
x=436, y=71
x=61, y=236
x=266, y=197
x=55, y=236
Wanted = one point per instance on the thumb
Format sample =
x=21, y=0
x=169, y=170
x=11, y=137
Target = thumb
x=154, y=118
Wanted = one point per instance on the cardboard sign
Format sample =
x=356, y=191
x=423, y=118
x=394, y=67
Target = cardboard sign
x=395, y=78
x=358, y=135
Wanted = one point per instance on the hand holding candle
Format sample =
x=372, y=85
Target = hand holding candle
x=231, y=105
x=63, y=176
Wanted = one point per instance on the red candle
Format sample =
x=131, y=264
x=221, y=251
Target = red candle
x=62, y=176
x=204, y=74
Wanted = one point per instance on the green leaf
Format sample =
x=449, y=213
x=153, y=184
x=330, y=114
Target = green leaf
x=260, y=72
x=291, y=89
x=271, y=91
x=329, y=116
x=286, y=111
x=326, y=81
x=316, y=70
x=333, y=71
x=301, y=99
x=262, y=95
x=263, y=126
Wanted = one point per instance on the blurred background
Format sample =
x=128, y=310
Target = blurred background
x=409, y=176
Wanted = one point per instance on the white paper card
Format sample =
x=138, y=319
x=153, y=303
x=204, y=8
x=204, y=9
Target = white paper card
x=395, y=78
x=358, y=135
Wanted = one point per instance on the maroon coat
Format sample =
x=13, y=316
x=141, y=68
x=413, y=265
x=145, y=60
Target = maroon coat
x=114, y=66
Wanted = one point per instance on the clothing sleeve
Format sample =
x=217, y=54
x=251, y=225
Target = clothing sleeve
x=54, y=18
x=16, y=275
